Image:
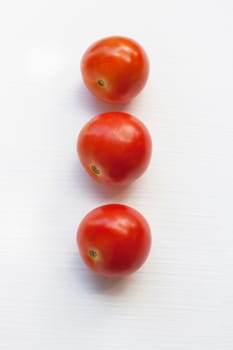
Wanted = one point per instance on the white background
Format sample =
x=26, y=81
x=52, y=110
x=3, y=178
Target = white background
x=182, y=298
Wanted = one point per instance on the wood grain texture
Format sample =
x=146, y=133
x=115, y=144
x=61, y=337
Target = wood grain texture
x=182, y=298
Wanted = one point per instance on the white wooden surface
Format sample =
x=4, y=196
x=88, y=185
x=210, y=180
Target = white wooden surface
x=182, y=298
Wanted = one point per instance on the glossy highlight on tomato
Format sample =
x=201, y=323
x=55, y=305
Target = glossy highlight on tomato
x=114, y=148
x=115, y=69
x=114, y=240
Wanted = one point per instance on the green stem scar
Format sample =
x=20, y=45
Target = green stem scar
x=92, y=253
x=101, y=82
x=95, y=169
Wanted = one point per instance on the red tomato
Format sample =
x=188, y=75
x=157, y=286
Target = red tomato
x=114, y=240
x=114, y=148
x=115, y=69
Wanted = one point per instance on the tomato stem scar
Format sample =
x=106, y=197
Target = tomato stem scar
x=92, y=253
x=95, y=169
x=101, y=82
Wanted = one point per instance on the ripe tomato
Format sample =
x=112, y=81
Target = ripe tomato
x=115, y=69
x=114, y=148
x=114, y=240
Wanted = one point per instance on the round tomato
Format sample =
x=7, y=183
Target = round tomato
x=114, y=148
x=114, y=240
x=115, y=69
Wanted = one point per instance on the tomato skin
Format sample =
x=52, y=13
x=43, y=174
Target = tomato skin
x=115, y=69
x=114, y=240
x=115, y=148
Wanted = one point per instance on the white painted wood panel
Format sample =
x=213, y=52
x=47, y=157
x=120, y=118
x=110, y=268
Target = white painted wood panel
x=182, y=298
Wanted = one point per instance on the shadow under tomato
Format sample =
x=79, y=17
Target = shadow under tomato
x=96, y=106
x=98, y=190
x=96, y=283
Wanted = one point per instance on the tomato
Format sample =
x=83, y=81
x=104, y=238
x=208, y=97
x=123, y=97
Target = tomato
x=114, y=240
x=114, y=148
x=115, y=69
